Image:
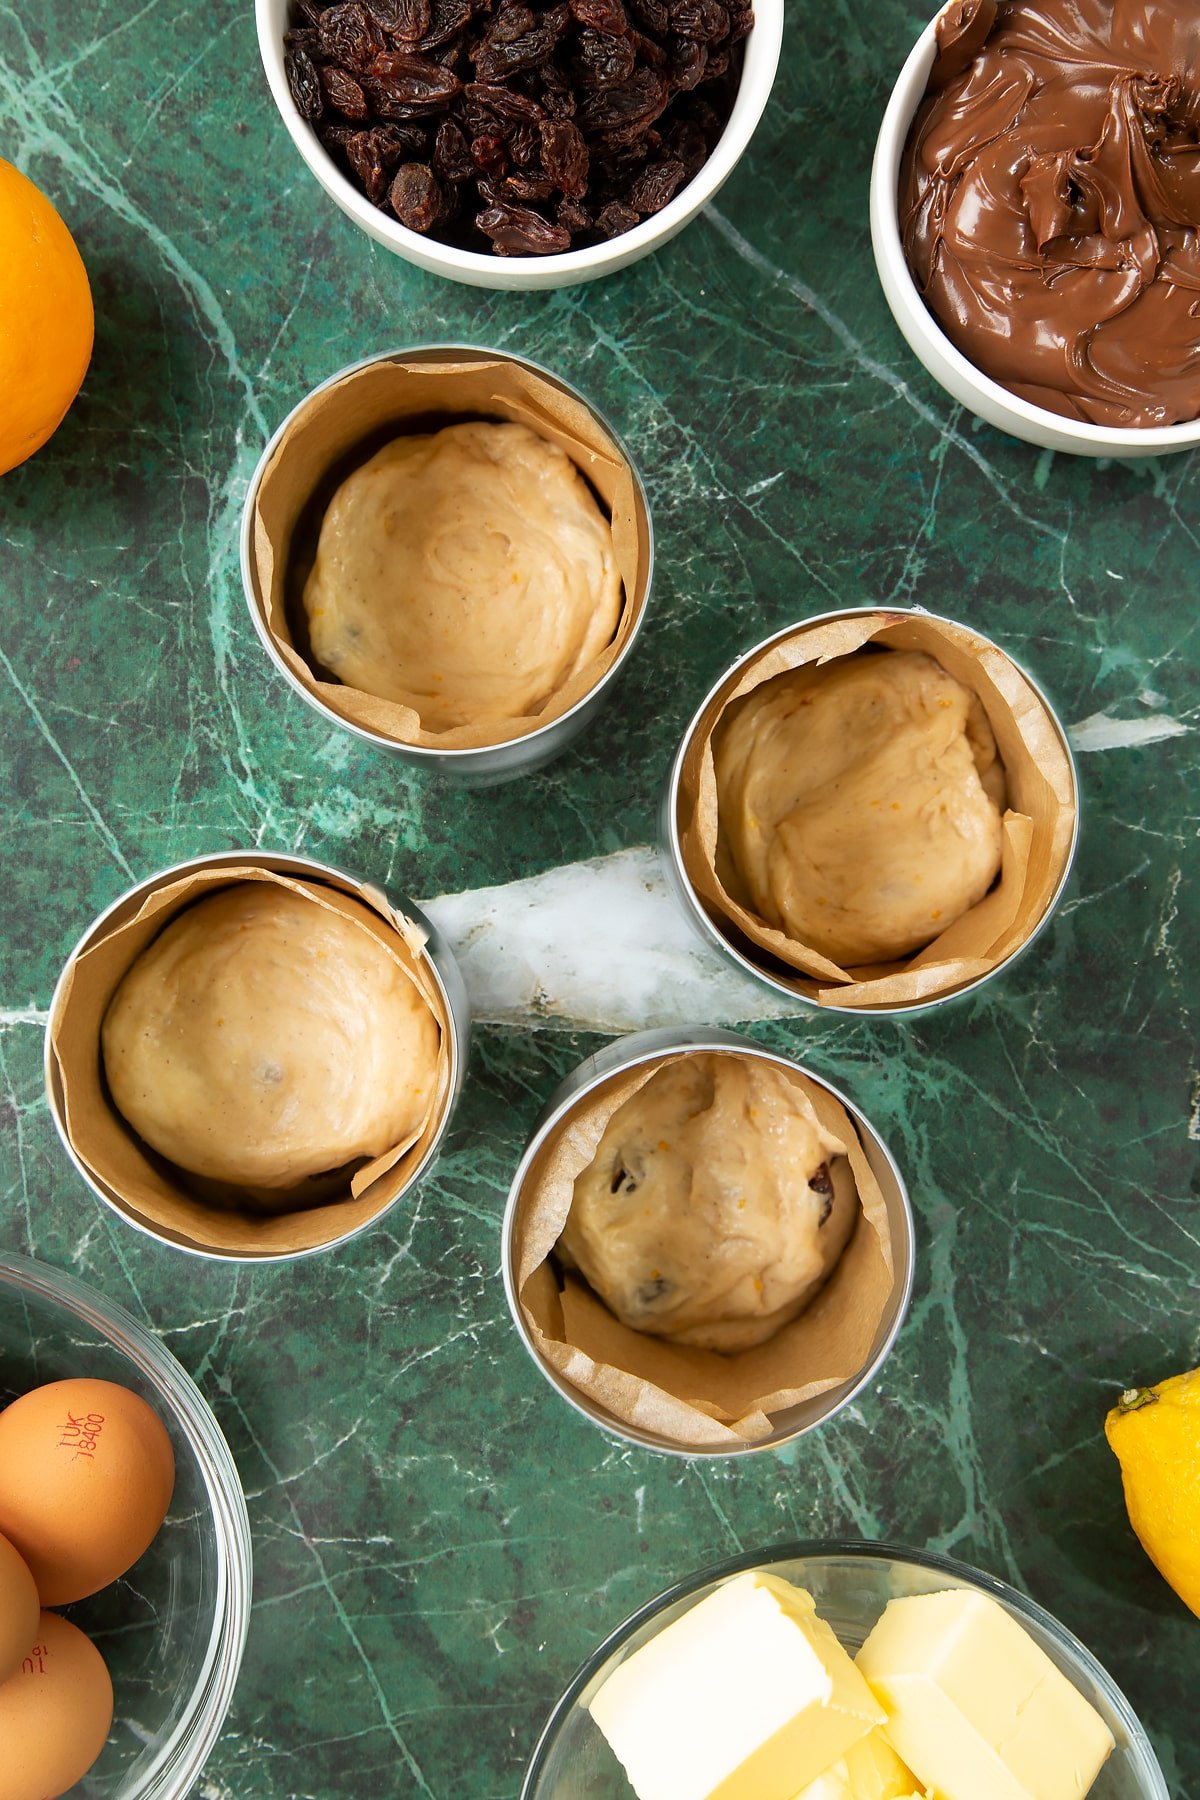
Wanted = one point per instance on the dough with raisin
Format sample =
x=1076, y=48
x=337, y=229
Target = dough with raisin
x=715, y=1207
x=263, y=1039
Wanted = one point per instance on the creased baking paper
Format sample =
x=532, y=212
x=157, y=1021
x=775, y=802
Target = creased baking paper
x=694, y=1398
x=141, y=1183
x=414, y=393
x=1037, y=829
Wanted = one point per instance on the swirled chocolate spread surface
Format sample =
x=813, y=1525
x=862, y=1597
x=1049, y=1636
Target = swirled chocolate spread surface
x=1050, y=201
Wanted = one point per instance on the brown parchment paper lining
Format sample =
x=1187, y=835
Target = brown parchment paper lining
x=141, y=1183
x=389, y=392
x=694, y=1397
x=1037, y=829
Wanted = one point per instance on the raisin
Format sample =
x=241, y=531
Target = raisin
x=822, y=1183
x=374, y=154
x=621, y=114
x=652, y=16
x=403, y=86
x=406, y=20
x=565, y=157
x=451, y=153
x=528, y=185
x=490, y=153
x=499, y=57
x=489, y=104
x=448, y=18
x=303, y=84
x=656, y=185
x=350, y=36
x=344, y=94
x=524, y=146
x=602, y=61
x=601, y=15
x=415, y=196
x=303, y=37
x=615, y=218
x=519, y=231
x=741, y=24
x=688, y=65
x=705, y=20
x=573, y=216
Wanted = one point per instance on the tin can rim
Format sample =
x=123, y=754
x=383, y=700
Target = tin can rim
x=631, y=1052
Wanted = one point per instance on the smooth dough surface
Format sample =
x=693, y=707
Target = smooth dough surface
x=468, y=574
x=262, y=1039
x=859, y=804
x=715, y=1207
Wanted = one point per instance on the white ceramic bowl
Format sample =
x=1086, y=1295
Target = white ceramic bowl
x=480, y=269
x=947, y=364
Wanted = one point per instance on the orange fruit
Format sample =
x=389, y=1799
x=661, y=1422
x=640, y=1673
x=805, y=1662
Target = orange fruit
x=46, y=319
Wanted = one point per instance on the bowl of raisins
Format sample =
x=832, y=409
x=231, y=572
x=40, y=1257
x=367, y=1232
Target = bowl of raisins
x=516, y=144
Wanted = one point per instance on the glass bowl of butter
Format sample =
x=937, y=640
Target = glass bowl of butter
x=842, y=1671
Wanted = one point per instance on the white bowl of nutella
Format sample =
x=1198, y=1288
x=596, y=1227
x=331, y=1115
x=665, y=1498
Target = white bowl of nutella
x=478, y=268
x=254, y=1056
x=1064, y=302
x=448, y=551
x=735, y=1380
x=816, y=818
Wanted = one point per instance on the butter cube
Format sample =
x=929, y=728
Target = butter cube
x=747, y=1696
x=975, y=1707
x=870, y=1770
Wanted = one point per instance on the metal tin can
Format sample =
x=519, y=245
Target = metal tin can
x=626, y=1054
x=441, y=966
x=486, y=765
x=744, y=955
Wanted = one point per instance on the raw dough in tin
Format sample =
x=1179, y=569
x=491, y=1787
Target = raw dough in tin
x=859, y=803
x=469, y=575
x=716, y=1204
x=263, y=1038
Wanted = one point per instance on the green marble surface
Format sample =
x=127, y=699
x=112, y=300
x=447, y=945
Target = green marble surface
x=439, y=1541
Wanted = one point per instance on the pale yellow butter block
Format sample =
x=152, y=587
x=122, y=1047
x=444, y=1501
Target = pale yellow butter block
x=975, y=1707
x=747, y=1696
x=870, y=1770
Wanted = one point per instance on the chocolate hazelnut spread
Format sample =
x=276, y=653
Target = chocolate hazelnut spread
x=1050, y=201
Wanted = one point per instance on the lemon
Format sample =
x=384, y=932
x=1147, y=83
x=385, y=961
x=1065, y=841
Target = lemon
x=1155, y=1435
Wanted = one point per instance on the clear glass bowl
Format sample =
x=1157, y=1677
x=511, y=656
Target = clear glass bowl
x=851, y=1584
x=173, y=1630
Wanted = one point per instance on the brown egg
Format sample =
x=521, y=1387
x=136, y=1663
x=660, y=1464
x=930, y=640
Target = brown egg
x=19, y=1609
x=86, y=1476
x=54, y=1713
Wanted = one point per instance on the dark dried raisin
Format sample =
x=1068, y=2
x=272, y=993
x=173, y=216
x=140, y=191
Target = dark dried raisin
x=403, y=86
x=519, y=231
x=601, y=15
x=451, y=153
x=616, y=218
x=656, y=185
x=497, y=57
x=343, y=93
x=621, y=114
x=705, y=20
x=406, y=20
x=350, y=36
x=303, y=84
x=415, y=196
x=602, y=61
x=565, y=157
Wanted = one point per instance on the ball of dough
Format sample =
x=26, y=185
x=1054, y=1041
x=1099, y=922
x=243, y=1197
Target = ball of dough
x=858, y=804
x=715, y=1207
x=263, y=1038
x=468, y=575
